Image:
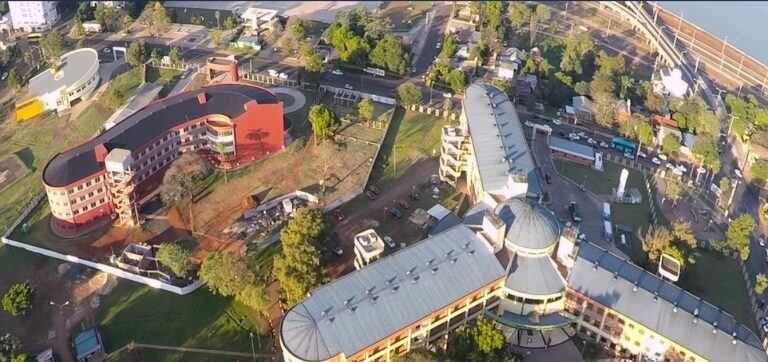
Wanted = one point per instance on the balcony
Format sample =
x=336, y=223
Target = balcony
x=453, y=134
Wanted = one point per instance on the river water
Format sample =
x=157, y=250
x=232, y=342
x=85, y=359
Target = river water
x=743, y=22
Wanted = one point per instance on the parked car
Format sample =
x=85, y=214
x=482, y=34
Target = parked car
x=591, y=141
x=528, y=124
x=603, y=144
x=662, y=156
x=370, y=194
x=337, y=72
x=374, y=189
x=438, y=45
x=582, y=134
x=573, y=137
x=656, y=161
x=403, y=204
x=573, y=208
x=557, y=121
x=338, y=250
x=5, y=75
x=447, y=94
x=338, y=215
x=641, y=154
x=348, y=86
x=389, y=241
x=765, y=255
x=548, y=179
x=670, y=166
x=737, y=172
x=394, y=212
x=761, y=239
x=106, y=50
x=414, y=196
x=682, y=168
x=628, y=155
x=413, y=70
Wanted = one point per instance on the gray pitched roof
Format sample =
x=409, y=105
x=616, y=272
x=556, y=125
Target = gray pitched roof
x=370, y=304
x=497, y=136
x=662, y=307
x=534, y=276
x=529, y=225
x=573, y=148
x=72, y=67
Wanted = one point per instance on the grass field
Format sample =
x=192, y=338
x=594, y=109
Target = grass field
x=136, y=312
x=404, y=14
x=37, y=140
x=166, y=78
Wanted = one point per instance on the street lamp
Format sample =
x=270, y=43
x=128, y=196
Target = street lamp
x=719, y=92
x=253, y=350
x=730, y=123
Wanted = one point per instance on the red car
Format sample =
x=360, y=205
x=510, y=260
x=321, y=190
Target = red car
x=338, y=215
x=403, y=204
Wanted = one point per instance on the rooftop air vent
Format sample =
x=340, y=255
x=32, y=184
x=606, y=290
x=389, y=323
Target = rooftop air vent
x=391, y=280
x=696, y=312
x=374, y=299
x=655, y=296
x=734, y=334
x=472, y=252
x=674, y=309
x=370, y=290
x=352, y=310
x=434, y=270
x=330, y=320
x=346, y=302
x=695, y=320
x=395, y=289
x=410, y=271
x=415, y=279
x=453, y=261
x=465, y=245
x=615, y=276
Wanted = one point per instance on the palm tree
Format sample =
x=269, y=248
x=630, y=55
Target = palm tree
x=217, y=14
x=624, y=85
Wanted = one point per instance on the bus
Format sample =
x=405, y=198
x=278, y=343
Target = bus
x=622, y=145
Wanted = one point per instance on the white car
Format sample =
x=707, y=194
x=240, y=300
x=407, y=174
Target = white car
x=628, y=155
x=642, y=154
x=528, y=124
x=557, y=121
x=582, y=134
x=438, y=45
x=737, y=172
x=348, y=86
x=603, y=144
x=662, y=156
x=5, y=75
x=337, y=72
x=106, y=50
x=591, y=141
x=682, y=168
x=670, y=166
x=447, y=95
x=761, y=240
x=656, y=161
x=389, y=241
x=573, y=137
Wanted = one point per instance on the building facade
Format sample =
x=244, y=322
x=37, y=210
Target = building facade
x=111, y=175
x=33, y=15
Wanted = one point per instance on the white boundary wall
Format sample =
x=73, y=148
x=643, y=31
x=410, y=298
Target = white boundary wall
x=106, y=268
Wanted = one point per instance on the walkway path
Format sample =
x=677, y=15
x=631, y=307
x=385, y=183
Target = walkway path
x=134, y=345
x=298, y=98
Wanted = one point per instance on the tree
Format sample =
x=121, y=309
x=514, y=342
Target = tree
x=365, y=109
x=8, y=346
x=456, y=80
x=125, y=23
x=705, y=151
x=230, y=23
x=605, y=109
x=52, y=45
x=539, y=15
x=19, y=298
x=227, y=274
x=725, y=185
x=137, y=53
x=105, y=15
x=581, y=88
x=602, y=84
x=651, y=101
x=298, y=268
x=174, y=56
x=487, y=337
x=610, y=65
x=77, y=27
x=681, y=231
x=670, y=144
x=356, y=51
x=504, y=85
x=3, y=7
x=759, y=170
x=624, y=85
x=577, y=46
x=674, y=191
x=418, y=355
x=180, y=180
x=737, y=235
x=519, y=14
x=389, y=54
x=377, y=27
x=13, y=79
x=655, y=241
x=447, y=106
x=175, y=257
x=217, y=15
x=408, y=94
x=313, y=62
x=322, y=119
x=494, y=22
x=761, y=282
x=155, y=19
x=157, y=54
x=481, y=342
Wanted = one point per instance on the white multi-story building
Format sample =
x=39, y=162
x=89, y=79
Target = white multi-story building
x=33, y=15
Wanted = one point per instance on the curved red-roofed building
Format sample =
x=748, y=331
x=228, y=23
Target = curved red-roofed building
x=113, y=173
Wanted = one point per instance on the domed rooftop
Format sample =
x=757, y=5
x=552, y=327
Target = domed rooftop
x=529, y=225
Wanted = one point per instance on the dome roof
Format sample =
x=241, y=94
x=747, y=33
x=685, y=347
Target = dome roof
x=529, y=225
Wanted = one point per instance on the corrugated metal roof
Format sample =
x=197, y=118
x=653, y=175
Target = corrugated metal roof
x=529, y=225
x=576, y=149
x=662, y=307
x=534, y=276
x=366, y=306
x=72, y=68
x=497, y=136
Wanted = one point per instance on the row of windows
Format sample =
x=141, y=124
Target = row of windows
x=168, y=136
x=79, y=211
x=82, y=87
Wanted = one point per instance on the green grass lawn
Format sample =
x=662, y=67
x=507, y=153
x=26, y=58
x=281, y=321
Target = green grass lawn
x=37, y=140
x=411, y=137
x=166, y=78
x=135, y=312
x=717, y=279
